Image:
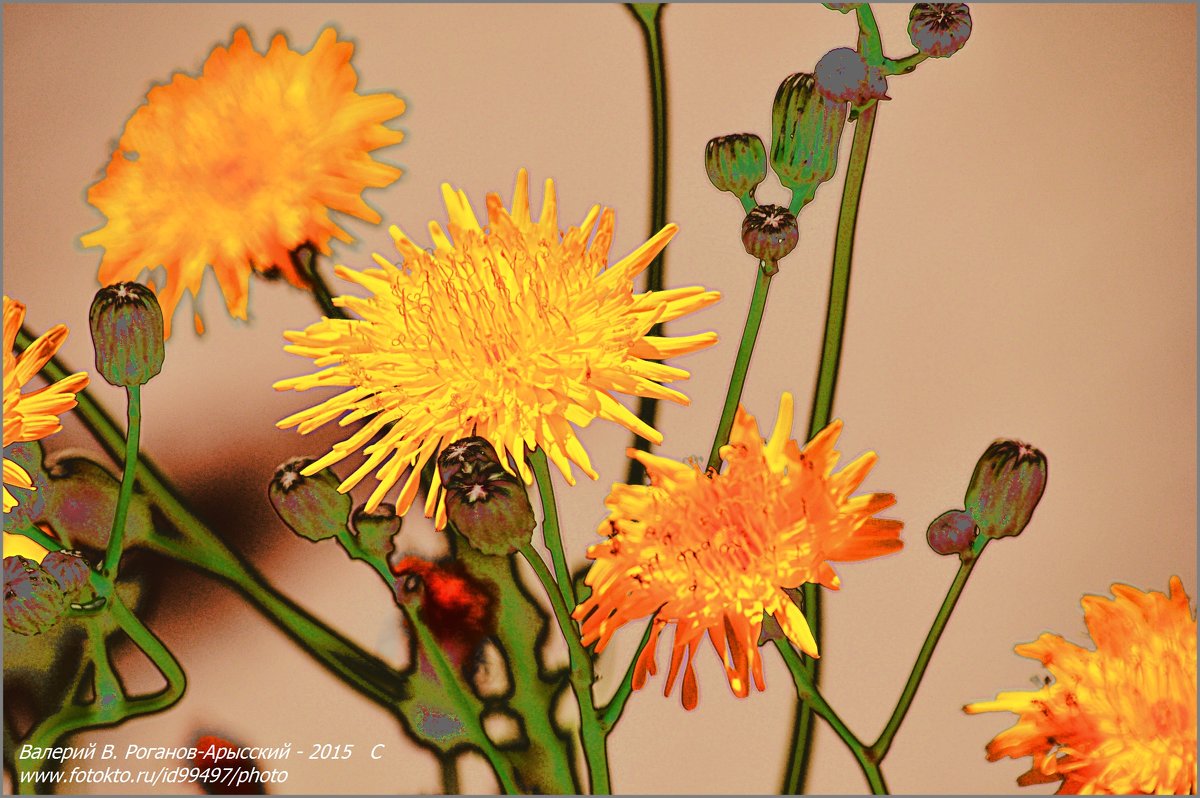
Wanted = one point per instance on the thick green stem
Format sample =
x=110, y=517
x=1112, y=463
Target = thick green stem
x=822, y=407
x=112, y=555
x=880, y=747
x=741, y=363
x=591, y=733
x=550, y=527
x=649, y=16
x=869, y=42
x=612, y=713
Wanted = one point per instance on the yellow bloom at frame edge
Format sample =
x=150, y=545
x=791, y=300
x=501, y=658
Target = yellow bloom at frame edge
x=241, y=166
x=1117, y=720
x=713, y=553
x=34, y=415
x=513, y=332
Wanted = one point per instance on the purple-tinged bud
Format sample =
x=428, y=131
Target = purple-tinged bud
x=69, y=569
x=939, y=30
x=769, y=232
x=127, y=332
x=310, y=505
x=843, y=75
x=485, y=503
x=952, y=532
x=1007, y=485
x=33, y=601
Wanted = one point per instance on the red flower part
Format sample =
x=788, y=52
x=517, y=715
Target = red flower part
x=225, y=769
x=459, y=610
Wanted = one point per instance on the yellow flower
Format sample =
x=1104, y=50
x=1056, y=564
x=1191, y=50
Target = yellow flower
x=514, y=333
x=713, y=553
x=31, y=416
x=1120, y=719
x=240, y=167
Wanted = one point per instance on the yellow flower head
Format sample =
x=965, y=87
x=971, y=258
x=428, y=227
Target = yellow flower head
x=240, y=167
x=713, y=553
x=31, y=416
x=1117, y=720
x=512, y=332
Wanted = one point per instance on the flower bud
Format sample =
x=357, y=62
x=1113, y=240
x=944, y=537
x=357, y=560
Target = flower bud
x=769, y=232
x=69, y=569
x=952, y=532
x=486, y=504
x=939, y=30
x=806, y=128
x=310, y=505
x=736, y=163
x=375, y=529
x=843, y=75
x=1007, y=485
x=33, y=601
x=127, y=332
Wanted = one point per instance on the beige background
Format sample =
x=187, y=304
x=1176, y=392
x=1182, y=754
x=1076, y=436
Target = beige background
x=1025, y=267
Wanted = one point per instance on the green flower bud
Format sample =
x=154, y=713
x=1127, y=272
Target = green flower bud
x=376, y=529
x=952, y=532
x=1006, y=487
x=127, y=332
x=310, y=505
x=806, y=128
x=33, y=601
x=769, y=232
x=485, y=503
x=69, y=569
x=736, y=163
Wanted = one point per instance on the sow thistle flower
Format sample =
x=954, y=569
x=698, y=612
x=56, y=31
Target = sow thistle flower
x=512, y=333
x=1118, y=719
x=34, y=415
x=240, y=167
x=714, y=552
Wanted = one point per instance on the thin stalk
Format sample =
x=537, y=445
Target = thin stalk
x=612, y=713
x=112, y=555
x=448, y=768
x=741, y=363
x=822, y=407
x=307, y=267
x=41, y=538
x=106, y=684
x=649, y=15
x=550, y=528
x=880, y=747
x=591, y=733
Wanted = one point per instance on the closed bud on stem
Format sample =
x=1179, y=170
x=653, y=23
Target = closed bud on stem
x=127, y=332
x=939, y=30
x=952, y=532
x=310, y=505
x=806, y=128
x=485, y=503
x=1007, y=485
x=769, y=232
x=69, y=569
x=33, y=601
x=736, y=163
x=843, y=75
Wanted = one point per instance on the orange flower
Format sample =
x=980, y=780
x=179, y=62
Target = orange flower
x=31, y=416
x=714, y=553
x=1117, y=720
x=240, y=167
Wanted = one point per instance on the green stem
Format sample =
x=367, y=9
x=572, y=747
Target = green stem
x=41, y=538
x=550, y=527
x=649, y=15
x=807, y=692
x=869, y=42
x=822, y=407
x=304, y=260
x=107, y=685
x=592, y=735
x=448, y=767
x=112, y=556
x=354, y=548
x=904, y=65
x=880, y=747
x=612, y=713
x=741, y=363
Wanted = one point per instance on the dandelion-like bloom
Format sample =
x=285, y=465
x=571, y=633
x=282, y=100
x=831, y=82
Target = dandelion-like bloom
x=713, y=553
x=240, y=167
x=31, y=416
x=1116, y=720
x=512, y=333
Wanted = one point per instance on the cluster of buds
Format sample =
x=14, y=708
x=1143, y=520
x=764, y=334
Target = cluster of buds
x=37, y=595
x=1005, y=488
x=311, y=506
x=127, y=332
x=486, y=503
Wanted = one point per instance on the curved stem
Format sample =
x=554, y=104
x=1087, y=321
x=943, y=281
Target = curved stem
x=595, y=744
x=304, y=260
x=869, y=42
x=880, y=747
x=112, y=555
x=822, y=407
x=649, y=15
x=39, y=537
x=550, y=528
x=741, y=363
x=612, y=712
